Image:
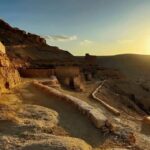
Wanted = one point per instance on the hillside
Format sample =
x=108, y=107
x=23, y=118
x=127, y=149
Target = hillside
x=133, y=65
x=31, y=48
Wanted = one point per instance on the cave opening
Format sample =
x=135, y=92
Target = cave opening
x=7, y=85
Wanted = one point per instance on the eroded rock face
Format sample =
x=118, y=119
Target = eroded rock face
x=2, y=48
x=31, y=48
x=15, y=36
x=9, y=76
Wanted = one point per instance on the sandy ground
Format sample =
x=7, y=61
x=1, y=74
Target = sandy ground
x=71, y=122
x=74, y=123
x=128, y=120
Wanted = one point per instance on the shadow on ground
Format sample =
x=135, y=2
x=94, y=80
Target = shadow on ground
x=145, y=129
x=76, y=124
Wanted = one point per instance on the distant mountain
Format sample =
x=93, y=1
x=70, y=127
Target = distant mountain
x=133, y=65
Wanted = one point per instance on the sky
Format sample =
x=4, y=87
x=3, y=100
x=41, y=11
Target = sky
x=98, y=27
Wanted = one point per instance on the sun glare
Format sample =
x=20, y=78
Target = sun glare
x=147, y=47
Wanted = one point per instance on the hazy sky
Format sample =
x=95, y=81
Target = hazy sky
x=101, y=27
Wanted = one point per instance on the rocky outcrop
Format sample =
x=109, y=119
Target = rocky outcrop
x=15, y=36
x=69, y=76
x=9, y=76
x=2, y=48
x=31, y=127
x=31, y=48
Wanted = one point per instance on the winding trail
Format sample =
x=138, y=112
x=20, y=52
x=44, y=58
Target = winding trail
x=71, y=120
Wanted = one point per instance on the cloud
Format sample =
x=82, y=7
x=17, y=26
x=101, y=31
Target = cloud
x=86, y=42
x=60, y=38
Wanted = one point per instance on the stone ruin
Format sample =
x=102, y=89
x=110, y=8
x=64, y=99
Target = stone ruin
x=90, y=66
x=69, y=76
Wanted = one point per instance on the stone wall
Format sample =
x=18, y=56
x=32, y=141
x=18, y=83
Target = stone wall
x=67, y=71
x=36, y=73
x=69, y=76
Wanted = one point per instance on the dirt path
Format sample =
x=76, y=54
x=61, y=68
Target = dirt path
x=70, y=120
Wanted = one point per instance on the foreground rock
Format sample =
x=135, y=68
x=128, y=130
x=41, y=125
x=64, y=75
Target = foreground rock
x=32, y=130
x=38, y=116
x=43, y=142
x=58, y=143
x=9, y=76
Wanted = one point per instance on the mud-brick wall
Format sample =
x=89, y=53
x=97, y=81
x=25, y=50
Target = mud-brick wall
x=36, y=73
x=69, y=76
x=67, y=71
x=60, y=72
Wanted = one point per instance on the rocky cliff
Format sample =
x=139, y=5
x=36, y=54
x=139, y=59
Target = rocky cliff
x=9, y=76
x=31, y=48
x=2, y=48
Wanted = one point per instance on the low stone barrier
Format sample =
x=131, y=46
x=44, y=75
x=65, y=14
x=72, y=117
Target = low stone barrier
x=95, y=115
x=107, y=106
